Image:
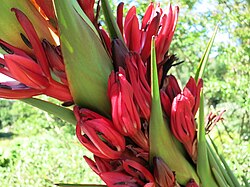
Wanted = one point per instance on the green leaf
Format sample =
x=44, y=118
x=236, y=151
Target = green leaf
x=113, y=28
x=203, y=168
x=216, y=163
x=161, y=140
x=80, y=185
x=230, y=172
x=219, y=179
x=87, y=63
x=61, y=112
x=204, y=59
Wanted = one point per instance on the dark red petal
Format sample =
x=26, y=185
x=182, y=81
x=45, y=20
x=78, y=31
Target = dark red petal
x=119, y=16
x=34, y=40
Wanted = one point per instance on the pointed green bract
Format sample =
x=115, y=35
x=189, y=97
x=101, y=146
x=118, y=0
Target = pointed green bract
x=110, y=20
x=203, y=167
x=58, y=111
x=87, y=63
x=10, y=28
x=204, y=59
x=160, y=138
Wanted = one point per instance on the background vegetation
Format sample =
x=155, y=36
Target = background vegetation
x=37, y=149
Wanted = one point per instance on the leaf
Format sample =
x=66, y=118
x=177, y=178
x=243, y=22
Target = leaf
x=215, y=163
x=203, y=167
x=161, y=140
x=61, y=112
x=204, y=59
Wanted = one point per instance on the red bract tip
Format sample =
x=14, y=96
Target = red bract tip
x=166, y=33
x=192, y=92
x=55, y=61
x=166, y=103
x=132, y=34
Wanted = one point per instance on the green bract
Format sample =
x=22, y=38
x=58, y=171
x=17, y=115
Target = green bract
x=87, y=63
x=161, y=140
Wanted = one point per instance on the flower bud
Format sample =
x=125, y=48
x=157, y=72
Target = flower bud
x=192, y=91
x=183, y=124
x=192, y=183
x=171, y=87
x=163, y=175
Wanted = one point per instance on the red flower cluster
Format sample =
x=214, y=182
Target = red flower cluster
x=32, y=71
x=181, y=107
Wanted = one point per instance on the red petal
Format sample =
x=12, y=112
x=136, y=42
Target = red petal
x=119, y=16
x=18, y=94
x=34, y=40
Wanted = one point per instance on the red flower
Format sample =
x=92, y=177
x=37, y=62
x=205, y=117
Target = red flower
x=33, y=74
x=98, y=135
x=137, y=76
x=121, y=172
x=156, y=22
x=124, y=112
x=183, y=124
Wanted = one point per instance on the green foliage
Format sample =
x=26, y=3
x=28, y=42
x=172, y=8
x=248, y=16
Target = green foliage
x=5, y=118
x=43, y=150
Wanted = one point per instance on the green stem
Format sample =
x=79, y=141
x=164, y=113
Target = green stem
x=61, y=112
